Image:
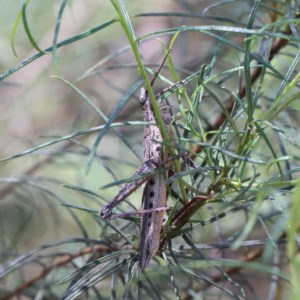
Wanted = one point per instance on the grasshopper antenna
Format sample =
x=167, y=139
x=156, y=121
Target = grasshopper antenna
x=160, y=66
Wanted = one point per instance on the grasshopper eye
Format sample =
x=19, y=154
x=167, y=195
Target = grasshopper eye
x=166, y=113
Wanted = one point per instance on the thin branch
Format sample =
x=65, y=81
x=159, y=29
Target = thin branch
x=60, y=262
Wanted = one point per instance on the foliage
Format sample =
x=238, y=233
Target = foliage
x=234, y=216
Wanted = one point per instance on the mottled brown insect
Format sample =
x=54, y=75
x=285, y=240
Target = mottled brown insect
x=154, y=193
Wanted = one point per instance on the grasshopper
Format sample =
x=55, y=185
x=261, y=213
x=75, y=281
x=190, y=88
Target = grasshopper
x=154, y=192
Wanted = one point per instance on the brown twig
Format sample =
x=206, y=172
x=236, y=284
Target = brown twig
x=248, y=257
x=8, y=188
x=251, y=256
x=62, y=261
x=278, y=44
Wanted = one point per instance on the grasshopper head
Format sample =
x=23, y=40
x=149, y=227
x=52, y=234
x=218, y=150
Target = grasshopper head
x=143, y=96
x=105, y=212
x=166, y=114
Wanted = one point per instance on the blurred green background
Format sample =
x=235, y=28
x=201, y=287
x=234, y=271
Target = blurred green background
x=36, y=107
